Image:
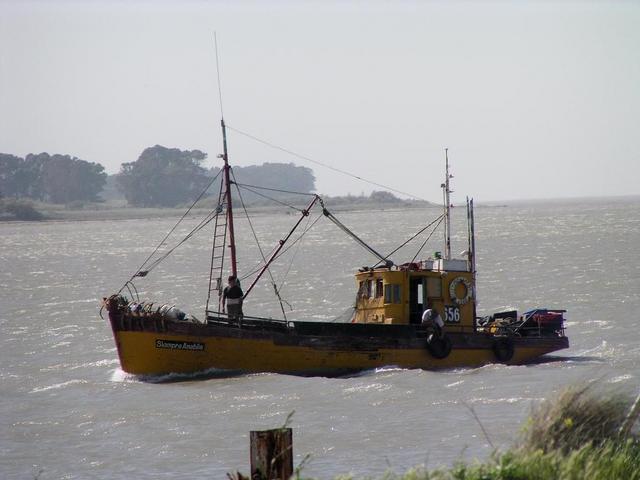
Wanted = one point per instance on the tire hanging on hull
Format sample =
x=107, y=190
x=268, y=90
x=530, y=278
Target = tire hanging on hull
x=439, y=347
x=503, y=349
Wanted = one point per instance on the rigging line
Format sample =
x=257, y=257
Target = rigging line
x=430, y=235
x=210, y=216
x=215, y=41
x=159, y=260
x=258, y=267
x=205, y=221
x=246, y=213
x=129, y=286
x=284, y=277
x=275, y=189
x=195, y=230
x=412, y=238
x=282, y=242
x=361, y=242
x=255, y=236
x=139, y=270
x=344, y=172
x=272, y=199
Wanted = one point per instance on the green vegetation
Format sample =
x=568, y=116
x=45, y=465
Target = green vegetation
x=259, y=185
x=13, y=209
x=163, y=177
x=55, y=178
x=610, y=461
x=277, y=176
x=578, y=416
x=584, y=433
x=377, y=198
x=168, y=177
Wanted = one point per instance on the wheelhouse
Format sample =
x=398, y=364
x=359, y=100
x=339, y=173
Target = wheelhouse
x=400, y=295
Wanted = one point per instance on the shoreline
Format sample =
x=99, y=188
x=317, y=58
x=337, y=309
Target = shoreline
x=111, y=212
x=58, y=213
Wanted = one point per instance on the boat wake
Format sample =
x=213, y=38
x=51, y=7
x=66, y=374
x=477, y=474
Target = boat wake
x=58, y=386
x=548, y=359
x=118, y=375
x=374, y=371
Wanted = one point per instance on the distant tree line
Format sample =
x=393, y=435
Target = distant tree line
x=167, y=177
x=160, y=177
x=163, y=177
x=377, y=197
x=50, y=178
x=280, y=178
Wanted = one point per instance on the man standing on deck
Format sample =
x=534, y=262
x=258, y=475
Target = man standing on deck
x=432, y=318
x=232, y=299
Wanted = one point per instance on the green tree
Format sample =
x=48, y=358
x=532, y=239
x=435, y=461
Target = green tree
x=51, y=178
x=18, y=209
x=380, y=196
x=280, y=176
x=10, y=166
x=20, y=178
x=284, y=176
x=163, y=177
x=66, y=179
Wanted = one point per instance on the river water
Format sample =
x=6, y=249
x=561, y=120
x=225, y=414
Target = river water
x=68, y=411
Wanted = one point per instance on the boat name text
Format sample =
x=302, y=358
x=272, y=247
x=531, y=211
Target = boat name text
x=174, y=345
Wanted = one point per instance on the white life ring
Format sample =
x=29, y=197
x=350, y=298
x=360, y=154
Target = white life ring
x=452, y=290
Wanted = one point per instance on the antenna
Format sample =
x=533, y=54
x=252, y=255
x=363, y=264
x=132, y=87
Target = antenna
x=446, y=191
x=215, y=41
x=226, y=169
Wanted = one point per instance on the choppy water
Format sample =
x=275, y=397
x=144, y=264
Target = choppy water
x=67, y=411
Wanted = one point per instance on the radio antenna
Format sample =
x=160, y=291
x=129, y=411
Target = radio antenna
x=215, y=41
x=446, y=192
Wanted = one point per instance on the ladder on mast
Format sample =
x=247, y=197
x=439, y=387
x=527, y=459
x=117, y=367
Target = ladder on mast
x=218, y=249
x=223, y=227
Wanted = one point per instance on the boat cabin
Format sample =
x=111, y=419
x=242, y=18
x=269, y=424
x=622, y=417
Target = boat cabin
x=400, y=294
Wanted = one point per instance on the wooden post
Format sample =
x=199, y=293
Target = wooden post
x=271, y=454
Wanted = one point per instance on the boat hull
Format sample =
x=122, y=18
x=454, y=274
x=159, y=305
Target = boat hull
x=155, y=346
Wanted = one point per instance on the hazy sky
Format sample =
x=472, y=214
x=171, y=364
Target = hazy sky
x=533, y=99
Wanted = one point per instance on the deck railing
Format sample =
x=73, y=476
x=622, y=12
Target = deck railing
x=513, y=329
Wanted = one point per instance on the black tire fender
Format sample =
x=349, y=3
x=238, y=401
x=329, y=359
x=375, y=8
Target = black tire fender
x=503, y=349
x=439, y=347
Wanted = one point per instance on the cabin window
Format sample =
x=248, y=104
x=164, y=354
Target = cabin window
x=362, y=290
x=396, y=294
x=379, y=289
x=392, y=293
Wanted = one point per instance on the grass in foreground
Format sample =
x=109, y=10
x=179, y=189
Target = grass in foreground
x=609, y=461
x=582, y=434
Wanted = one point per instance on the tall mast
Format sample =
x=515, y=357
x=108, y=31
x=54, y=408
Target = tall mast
x=447, y=207
x=227, y=182
x=472, y=234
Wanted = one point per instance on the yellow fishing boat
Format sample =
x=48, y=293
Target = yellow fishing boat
x=420, y=314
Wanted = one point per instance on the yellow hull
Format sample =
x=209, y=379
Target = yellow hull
x=150, y=353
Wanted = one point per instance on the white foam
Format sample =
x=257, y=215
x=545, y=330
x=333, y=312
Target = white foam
x=58, y=385
x=621, y=378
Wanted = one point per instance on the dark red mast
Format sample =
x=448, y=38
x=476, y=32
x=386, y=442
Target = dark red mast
x=227, y=182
